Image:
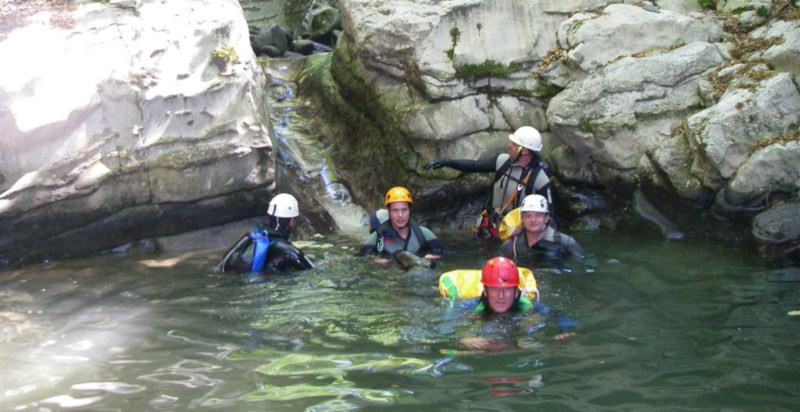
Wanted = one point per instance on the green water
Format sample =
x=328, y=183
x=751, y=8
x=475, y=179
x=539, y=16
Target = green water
x=678, y=326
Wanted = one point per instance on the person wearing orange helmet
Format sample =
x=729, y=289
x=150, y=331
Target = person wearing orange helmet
x=518, y=173
x=501, y=295
x=400, y=232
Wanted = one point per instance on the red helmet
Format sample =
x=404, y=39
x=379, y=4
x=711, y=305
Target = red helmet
x=500, y=272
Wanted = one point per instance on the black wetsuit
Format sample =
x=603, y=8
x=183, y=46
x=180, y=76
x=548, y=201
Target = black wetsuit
x=385, y=241
x=281, y=254
x=508, y=174
x=552, y=245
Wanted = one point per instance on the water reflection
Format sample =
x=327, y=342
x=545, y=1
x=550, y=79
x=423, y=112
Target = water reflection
x=663, y=325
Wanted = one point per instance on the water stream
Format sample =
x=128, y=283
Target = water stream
x=663, y=325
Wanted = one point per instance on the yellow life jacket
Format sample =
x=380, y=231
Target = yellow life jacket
x=466, y=283
x=511, y=222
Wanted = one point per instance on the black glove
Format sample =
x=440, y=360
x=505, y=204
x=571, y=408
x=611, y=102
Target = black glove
x=437, y=164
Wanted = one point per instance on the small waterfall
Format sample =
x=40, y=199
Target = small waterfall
x=304, y=166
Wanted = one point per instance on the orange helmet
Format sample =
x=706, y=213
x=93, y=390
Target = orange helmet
x=500, y=272
x=398, y=194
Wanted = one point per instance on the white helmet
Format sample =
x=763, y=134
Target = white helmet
x=283, y=205
x=534, y=203
x=527, y=137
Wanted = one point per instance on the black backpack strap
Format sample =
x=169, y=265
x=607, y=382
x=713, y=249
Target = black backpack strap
x=529, y=184
x=487, y=206
x=423, y=242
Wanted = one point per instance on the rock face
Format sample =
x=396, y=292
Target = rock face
x=169, y=130
x=128, y=120
x=627, y=95
x=777, y=232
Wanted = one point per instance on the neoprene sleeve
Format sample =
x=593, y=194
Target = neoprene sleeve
x=472, y=166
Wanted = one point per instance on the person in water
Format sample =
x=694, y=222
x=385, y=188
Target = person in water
x=537, y=239
x=518, y=173
x=502, y=295
x=400, y=232
x=267, y=248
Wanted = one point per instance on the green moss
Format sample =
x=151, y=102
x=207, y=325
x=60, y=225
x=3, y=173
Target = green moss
x=239, y=198
x=489, y=68
x=546, y=90
x=588, y=124
x=455, y=35
x=574, y=28
x=360, y=122
x=224, y=56
x=708, y=4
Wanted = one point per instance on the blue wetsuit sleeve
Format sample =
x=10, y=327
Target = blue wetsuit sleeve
x=564, y=322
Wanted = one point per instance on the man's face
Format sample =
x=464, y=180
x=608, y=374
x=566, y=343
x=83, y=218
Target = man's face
x=534, y=222
x=514, y=150
x=501, y=298
x=399, y=213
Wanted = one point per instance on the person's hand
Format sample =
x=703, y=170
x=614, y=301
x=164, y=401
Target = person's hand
x=436, y=164
x=382, y=261
x=478, y=343
x=489, y=345
x=432, y=257
x=564, y=335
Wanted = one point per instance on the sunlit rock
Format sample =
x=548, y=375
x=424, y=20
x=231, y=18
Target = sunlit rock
x=768, y=172
x=749, y=110
x=784, y=54
x=617, y=114
x=594, y=40
x=129, y=121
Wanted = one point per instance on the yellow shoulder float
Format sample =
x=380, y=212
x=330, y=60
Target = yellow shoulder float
x=511, y=222
x=466, y=283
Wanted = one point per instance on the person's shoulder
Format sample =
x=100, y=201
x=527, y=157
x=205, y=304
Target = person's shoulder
x=501, y=158
x=372, y=237
x=427, y=232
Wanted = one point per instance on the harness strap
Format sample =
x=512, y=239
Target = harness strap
x=415, y=229
x=520, y=187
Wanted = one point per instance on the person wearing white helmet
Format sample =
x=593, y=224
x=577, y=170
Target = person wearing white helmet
x=537, y=239
x=267, y=248
x=518, y=173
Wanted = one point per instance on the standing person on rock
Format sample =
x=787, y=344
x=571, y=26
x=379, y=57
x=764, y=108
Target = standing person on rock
x=267, y=248
x=518, y=173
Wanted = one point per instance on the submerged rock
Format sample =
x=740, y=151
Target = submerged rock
x=650, y=213
x=777, y=232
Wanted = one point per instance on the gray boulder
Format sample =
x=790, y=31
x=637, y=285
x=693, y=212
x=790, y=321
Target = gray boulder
x=768, y=172
x=785, y=54
x=594, y=40
x=728, y=131
x=626, y=108
x=777, y=232
x=151, y=139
